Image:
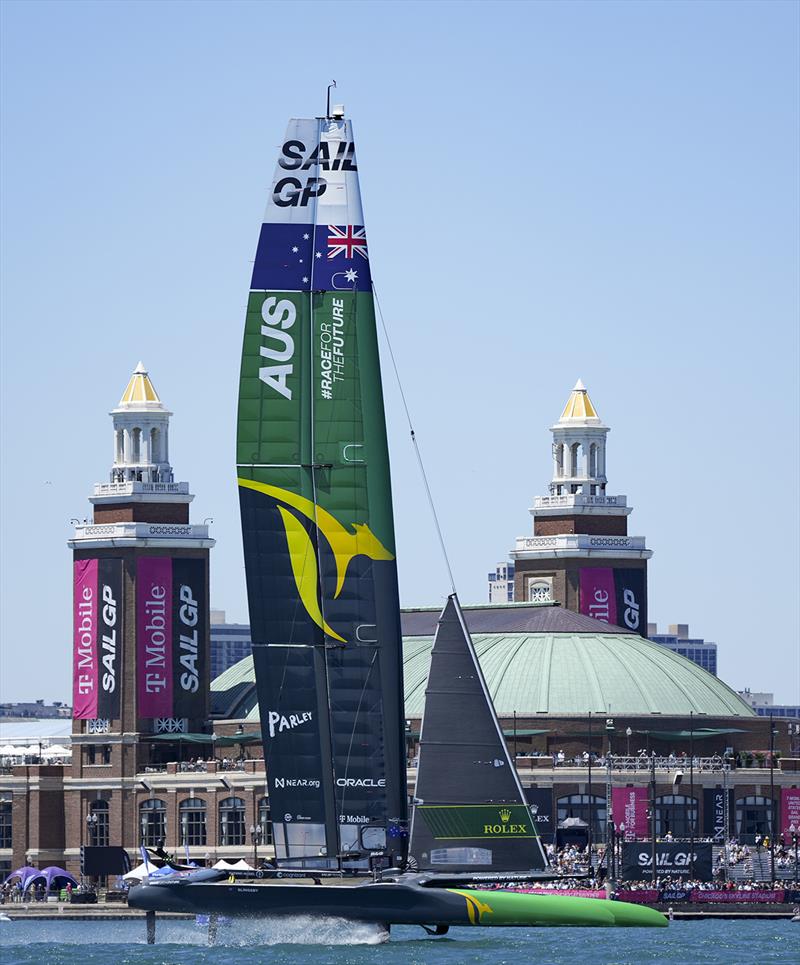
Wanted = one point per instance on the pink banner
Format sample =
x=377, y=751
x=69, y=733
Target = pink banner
x=775, y=897
x=629, y=807
x=569, y=892
x=598, y=597
x=790, y=812
x=640, y=897
x=84, y=650
x=154, y=636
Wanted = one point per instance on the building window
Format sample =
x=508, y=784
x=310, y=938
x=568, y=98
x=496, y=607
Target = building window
x=573, y=460
x=586, y=809
x=192, y=821
x=98, y=824
x=153, y=822
x=753, y=816
x=5, y=824
x=231, y=822
x=136, y=445
x=676, y=814
x=540, y=590
x=264, y=821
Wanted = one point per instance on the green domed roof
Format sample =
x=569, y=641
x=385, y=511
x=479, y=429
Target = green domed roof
x=547, y=673
x=574, y=673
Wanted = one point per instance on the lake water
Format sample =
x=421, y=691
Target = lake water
x=340, y=943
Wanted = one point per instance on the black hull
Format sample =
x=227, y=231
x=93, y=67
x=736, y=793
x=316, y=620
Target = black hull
x=386, y=903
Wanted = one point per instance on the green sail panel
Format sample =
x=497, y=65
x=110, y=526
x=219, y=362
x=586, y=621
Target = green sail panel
x=315, y=496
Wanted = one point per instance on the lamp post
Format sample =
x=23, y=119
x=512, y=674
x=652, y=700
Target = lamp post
x=256, y=835
x=609, y=809
x=691, y=811
x=591, y=797
x=621, y=845
x=772, y=821
x=628, y=733
x=91, y=828
x=794, y=834
x=653, y=815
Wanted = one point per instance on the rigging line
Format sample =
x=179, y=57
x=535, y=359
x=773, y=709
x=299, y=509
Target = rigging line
x=414, y=441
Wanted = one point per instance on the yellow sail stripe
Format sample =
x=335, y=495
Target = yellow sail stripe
x=304, y=568
x=344, y=544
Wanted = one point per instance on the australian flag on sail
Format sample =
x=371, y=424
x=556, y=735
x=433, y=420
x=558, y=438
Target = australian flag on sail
x=302, y=257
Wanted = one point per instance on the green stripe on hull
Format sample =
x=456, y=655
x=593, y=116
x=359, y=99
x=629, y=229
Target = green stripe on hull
x=509, y=908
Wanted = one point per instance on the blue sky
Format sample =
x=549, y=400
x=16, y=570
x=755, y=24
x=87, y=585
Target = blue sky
x=552, y=191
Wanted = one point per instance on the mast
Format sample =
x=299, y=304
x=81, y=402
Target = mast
x=317, y=521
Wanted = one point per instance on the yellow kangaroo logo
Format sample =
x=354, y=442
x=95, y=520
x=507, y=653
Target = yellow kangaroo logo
x=344, y=545
x=475, y=908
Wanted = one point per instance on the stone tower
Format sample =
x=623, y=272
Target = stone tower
x=580, y=554
x=141, y=658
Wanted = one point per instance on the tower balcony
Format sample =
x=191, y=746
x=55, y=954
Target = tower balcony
x=140, y=534
x=580, y=545
x=135, y=488
x=579, y=504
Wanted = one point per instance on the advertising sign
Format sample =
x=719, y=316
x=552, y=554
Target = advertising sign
x=673, y=859
x=542, y=799
x=170, y=636
x=768, y=897
x=629, y=807
x=598, y=596
x=97, y=638
x=790, y=811
x=614, y=596
x=714, y=812
x=484, y=821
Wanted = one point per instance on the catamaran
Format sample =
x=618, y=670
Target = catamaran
x=319, y=546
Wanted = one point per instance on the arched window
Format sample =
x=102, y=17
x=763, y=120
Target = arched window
x=558, y=452
x=574, y=457
x=153, y=822
x=155, y=442
x=676, y=814
x=540, y=590
x=231, y=822
x=119, y=451
x=5, y=824
x=587, y=809
x=98, y=824
x=593, y=459
x=753, y=816
x=192, y=817
x=264, y=821
x=136, y=445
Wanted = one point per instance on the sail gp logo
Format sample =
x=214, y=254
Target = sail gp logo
x=278, y=723
x=344, y=543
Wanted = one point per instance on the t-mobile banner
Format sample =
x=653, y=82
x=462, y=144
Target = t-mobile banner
x=790, y=811
x=84, y=657
x=598, y=598
x=154, y=605
x=714, y=812
x=631, y=601
x=188, y=636
x=629, y=807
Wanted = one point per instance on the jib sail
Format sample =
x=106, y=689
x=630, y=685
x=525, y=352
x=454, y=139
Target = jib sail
x=313, y=472
x=470, y=812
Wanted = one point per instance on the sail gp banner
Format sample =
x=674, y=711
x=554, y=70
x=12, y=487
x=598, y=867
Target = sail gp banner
x=614, y=596
x=97, y=638
x=170, y=637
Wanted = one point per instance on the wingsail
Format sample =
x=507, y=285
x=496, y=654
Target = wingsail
x=470, y=812
x=318, y=532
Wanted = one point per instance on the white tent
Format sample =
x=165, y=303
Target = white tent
x=136, y=874
x=57, y=750
x=240, y=865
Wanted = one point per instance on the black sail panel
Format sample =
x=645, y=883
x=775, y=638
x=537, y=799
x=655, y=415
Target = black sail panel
x=470, y=812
